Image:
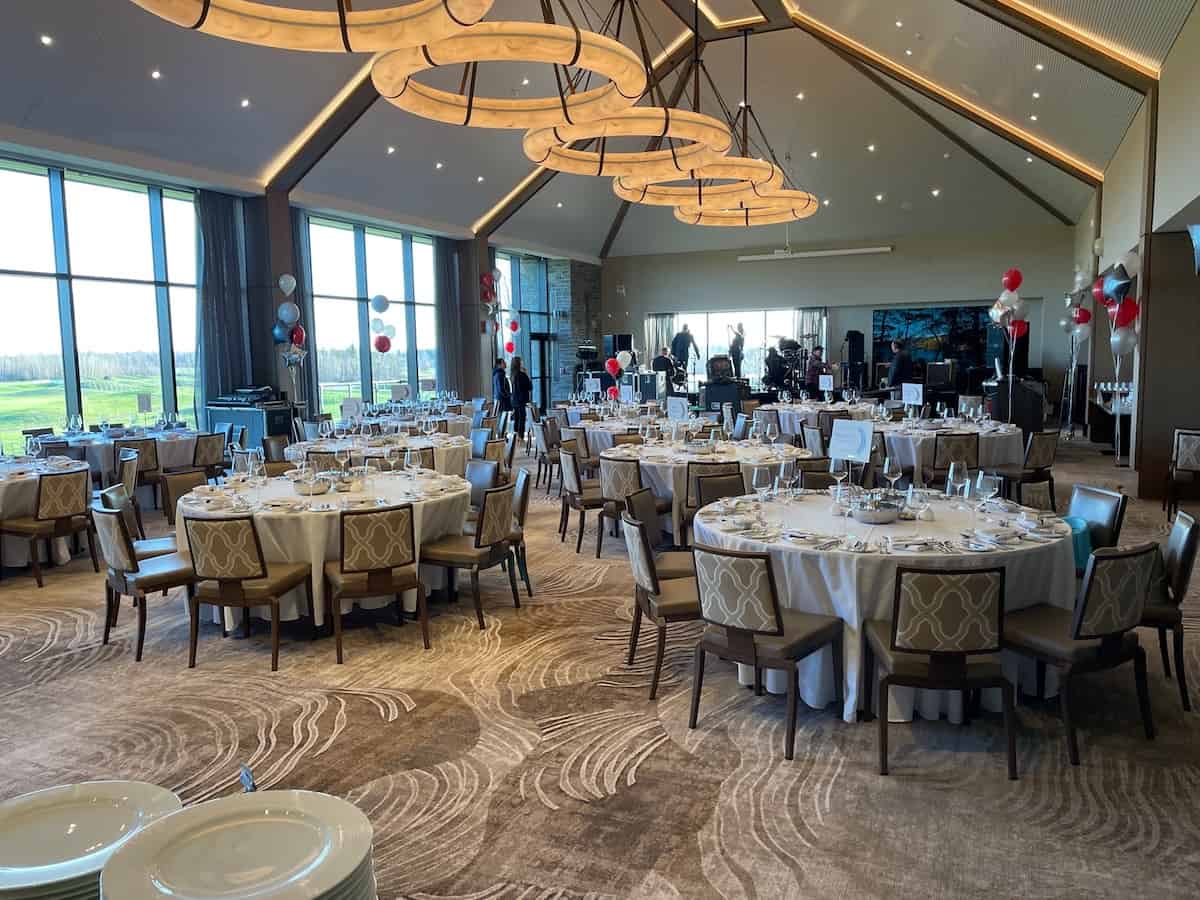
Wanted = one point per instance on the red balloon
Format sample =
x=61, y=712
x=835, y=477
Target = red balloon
x=297, y=335
x=1126, y=313
x=510, y=347
x=1012, y=279
x=613, y=392
x=612, y=367
x=1018, y=328
x=486, y=279
x=514, y=326
x=1081, y=316
x=1098, y=290
x=383, y=343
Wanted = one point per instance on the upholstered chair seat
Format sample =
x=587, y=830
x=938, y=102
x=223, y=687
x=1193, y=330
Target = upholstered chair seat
x=279, y=579
x=802, y=633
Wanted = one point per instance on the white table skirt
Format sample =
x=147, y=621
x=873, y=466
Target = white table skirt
x=996, y=448
x=313, y=538
x=860, y=586
x=450, y=455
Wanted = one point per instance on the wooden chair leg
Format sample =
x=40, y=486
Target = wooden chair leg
x=793, y=697
x=1143, y=692
x=245, y=621
x=333, y=610
x=658, y=659
x=34, y=562
x=1162, y=648
x=523, y=562
x=398, y=609
x=141, y=634
x=582, y=524
x=868, y=680
x=91, y=538
x=1041, y=680
x=1064, y=699
x=564, y=517
x=423, y=614
x=475, y=596
x=599, y=533
x=312, y=612
x=697, y=684
x=1181, y=677
x=512, y=579
x=884, y=684
x=1010, y=727
x=274, y=635
x=634, y=631
x=109, y=613
x=193, y=626
x=758, y=681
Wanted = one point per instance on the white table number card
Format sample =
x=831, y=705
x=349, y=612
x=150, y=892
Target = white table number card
x=143, y=403
x=825, y=382
x=400, y=393
x=591, y=385
x=912, y=394
x=851, y=440
x=627, y=394
x=677, y=408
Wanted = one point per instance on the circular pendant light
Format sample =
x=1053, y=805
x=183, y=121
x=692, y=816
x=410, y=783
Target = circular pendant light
x=745, y=179
x=536, y=42
x=784, y=206
x=708, y=139
x=338, y=31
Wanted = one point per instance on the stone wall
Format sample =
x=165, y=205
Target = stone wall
x=575, y=305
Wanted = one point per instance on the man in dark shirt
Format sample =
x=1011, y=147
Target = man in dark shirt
x=816, y=368
x=501, y=391
x=662, y=362
x=682, y=344
x=776, y=374
x=737, y=349
x=901, y=370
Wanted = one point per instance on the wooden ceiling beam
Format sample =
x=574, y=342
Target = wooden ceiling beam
x=1026, y=140
x=1071, y=42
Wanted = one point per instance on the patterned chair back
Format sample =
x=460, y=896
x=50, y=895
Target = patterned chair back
x=641, y=506
x=535, y=414
x=1041, y=450
x=210, y=450
x=815, y=480
x=1179, y=557
x=377, y=540
x=118, y=499
x=479, y=441
x=425, y=458
x=53, y=448
x=619, y=478
x=225, y=429
x=741, y=428
x=147, y=449
x=62, y=495
x=483, y=475
x=938, y=611
x=698, y=470
x=225, y=549
x=477, y=418
x=641, y=555
x=1036, y=494
x=1185, y=453
x=493, y=451
x=571, y=482
x=623, y=439
x=1116, y=584
x=321, y=460
x=495, y=517
x=766, y=417
x=274, y=446
x=1102, y=509
x=948, y=448
x=711, y=488
x=737, y=590
x=443, y=426
x=553, y=431
x=115, y=544
x=521, y=497
x=127, y=469
x=814, y=440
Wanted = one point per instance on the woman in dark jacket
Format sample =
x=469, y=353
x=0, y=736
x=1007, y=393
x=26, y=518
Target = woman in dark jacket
x=522, y=393
x=500, y=390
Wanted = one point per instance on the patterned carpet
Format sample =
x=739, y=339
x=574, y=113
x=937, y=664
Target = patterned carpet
x=525, y=761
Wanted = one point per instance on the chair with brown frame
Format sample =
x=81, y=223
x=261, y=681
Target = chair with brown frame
x=489, y=424
x=618, y=479
x=588, y=463
x=1184, y=468
x=1162, y=611
x=149, y=471
x=741, y=428
x=479, y=442
x=1035, y=494
x=225, y=429
x=209, y=455
x=691, y=502
x=546, y=456
x=630, y=439
x=663, y=601
x=711, y=488
x=60, y=510
x=321, y=460
x=117, y=498
x=577, y=494
x=1102, y=509
x=945, y=634
x=232, y=572
x=814, y=441
x=274, y=448
x=643, y=506
x=377, y=556
x=129, y=575
x=816, y=481
x=1037, y=466
x=488, y=547
x=825, y=420
x=1098, y=634
x=740, y=602
x=36, y=432
x=947, y=449
x=177, y=484
x=483, y=475
x=127, y=469
x=517, y=538
x=53, y=448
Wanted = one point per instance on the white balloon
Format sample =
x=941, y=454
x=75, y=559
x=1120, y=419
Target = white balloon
x=1082, y=331
x=496, y=275
x=390, y=331
x=287, y=284
x=377, y=325
x=1017, y=308
x=1066, y=325
x=1122, y=341
x=1132, y=263
x=380, y=303
x=1008, y=297
x=289, y=313
x=624, y=358
x=1081, y=280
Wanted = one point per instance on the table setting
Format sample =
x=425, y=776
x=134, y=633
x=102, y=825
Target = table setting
x=911, y=441
x=176, y=446
x=794, y=415
x=836, y=552
x=450, y=452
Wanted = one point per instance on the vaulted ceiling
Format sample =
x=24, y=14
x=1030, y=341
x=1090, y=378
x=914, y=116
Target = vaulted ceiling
x=90, y=95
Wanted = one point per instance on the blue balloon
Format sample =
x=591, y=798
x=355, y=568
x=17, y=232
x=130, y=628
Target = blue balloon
x=380, y=303
x=281, y=334
x=1117, y=284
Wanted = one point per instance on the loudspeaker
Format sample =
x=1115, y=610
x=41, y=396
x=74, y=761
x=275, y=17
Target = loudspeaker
x=615, y=343
x=856, y=347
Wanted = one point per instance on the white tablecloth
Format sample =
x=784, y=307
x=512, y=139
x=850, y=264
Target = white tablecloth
x=176, y=449
x=313, y=536
x=600, y=434
x=793, y=416
x=998, y=445
x=18, y=499
x=450, y=453
x=860, y=586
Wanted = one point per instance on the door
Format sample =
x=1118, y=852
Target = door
x=541, y=365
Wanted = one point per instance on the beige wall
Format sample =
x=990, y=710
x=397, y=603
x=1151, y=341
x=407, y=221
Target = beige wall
x=1121, y=220
x=925, y=270
x=1177, y=178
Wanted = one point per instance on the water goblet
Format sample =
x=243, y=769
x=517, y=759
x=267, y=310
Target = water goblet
x=892, y=471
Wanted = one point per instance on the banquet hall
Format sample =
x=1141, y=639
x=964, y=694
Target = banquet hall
x=599, y=449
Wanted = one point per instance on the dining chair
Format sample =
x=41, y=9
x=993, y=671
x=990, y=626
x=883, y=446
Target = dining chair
x=225, y=429
x=711, y=488
x=36, y=432
x=149, y=472
x=54, y=448
x=238, y=436
x=951, y=448
x=1102, y=509
x=1184, y=467
x=545, y=458
x=1097, y=635
x=693, y=473
x=488, y=423
x=502, y=423
x=177, y=484
x=583, y=453
x=479, y=441
x=118, y=499
x=128, y=575
x=727, y=415
x=321, y=460
x=945, y=634
x=816, y=481
x=629, y=439
x=443, y=426
x=517, y=538
x=493, y=451
x=60, y=510
x=741, y=428
x=1167, y=593
x=274, y=447
x=1035, y=467
x=376, y=556
x=232, y=572
x=814, y=441
x=618, y=479
x=483, y=475
x=739, y=600
x=750, y=406
x=127, y=469
x=577, y=494
x=767, y=417
x=488, y=547
x=209, y=455
x=825, y=420
x=1036, y=495
x=968, y=402
x=663, y=601
x=477, y=417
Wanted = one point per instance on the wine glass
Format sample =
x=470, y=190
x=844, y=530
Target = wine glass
x=412, y=462
x=430, y=426
x=840, y=471
x=986, y=487
x=892, y=471
x=762, y=481
x=771, y=433
x=342, y=455
x=957, y=478
x=789, y=475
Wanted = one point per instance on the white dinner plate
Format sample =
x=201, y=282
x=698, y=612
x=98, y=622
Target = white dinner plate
x=60, y=835
x=283, y=845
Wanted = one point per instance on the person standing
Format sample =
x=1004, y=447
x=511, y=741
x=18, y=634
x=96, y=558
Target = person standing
x=776, y=373
x=522, y=393
x=737, y=349
x=682, y=345
x=901, y=369
x=501, y=392
x=816, y=368
x=663, y=363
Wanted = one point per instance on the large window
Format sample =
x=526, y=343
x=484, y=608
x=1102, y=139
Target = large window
x=524, y=297
x=97, y=279
x=351, y=264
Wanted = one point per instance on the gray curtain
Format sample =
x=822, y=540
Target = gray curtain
x=449, y=317
x=660, y=328
x=222, y=332
x=306, y=382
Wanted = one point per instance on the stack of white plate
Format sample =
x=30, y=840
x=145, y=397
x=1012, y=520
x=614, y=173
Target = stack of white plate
x=53, y=843
x=282, y=845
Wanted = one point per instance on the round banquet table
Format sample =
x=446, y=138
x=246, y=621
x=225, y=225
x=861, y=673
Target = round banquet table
x=913, y=443
x=18, y=499
x=600, y=434
x=856, y=586
x=176, y=448
x=459, y=426
x=792, y=416
x=664, y=467
x=307, y=530
x=450, y=453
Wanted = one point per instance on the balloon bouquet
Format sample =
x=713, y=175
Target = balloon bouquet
x=1078, y=327
x=383, y=333
x=1009, y=312
x=1113, y=291
x=289, y=333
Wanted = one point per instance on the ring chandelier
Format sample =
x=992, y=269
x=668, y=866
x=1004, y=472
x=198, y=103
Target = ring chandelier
x=511, y=42
x=341, y=30
x=785, y=206
x=746, y=180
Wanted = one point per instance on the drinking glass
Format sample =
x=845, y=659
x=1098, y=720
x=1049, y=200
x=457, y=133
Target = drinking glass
x=892, y=471
x=343, y=458
x=958, y=478
x=762, y=482
x=986, y=487
x=412, y=462
x=771, y=433
x=839, y=470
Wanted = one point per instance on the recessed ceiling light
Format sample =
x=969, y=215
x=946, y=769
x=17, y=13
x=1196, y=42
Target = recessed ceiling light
x=936, y=192
x=1028, y=159
x=908, y=53
x=1037, y=95
x=800, y=96
x=155, y=74
x=1033, y=117
x=741, y=103
x=899, y=24
x=46, y=40
x=438, y=165
x=879, y=198
x=946, y=155
x=870, y=148
x=1040, y=67
x=391, y=150
x=815, y=154
x=826, y=201
x=524, y=81
x=559, y=204
x=245, y=102
x=479, y=179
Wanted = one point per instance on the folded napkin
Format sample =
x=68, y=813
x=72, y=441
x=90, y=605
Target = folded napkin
x=996, y=535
